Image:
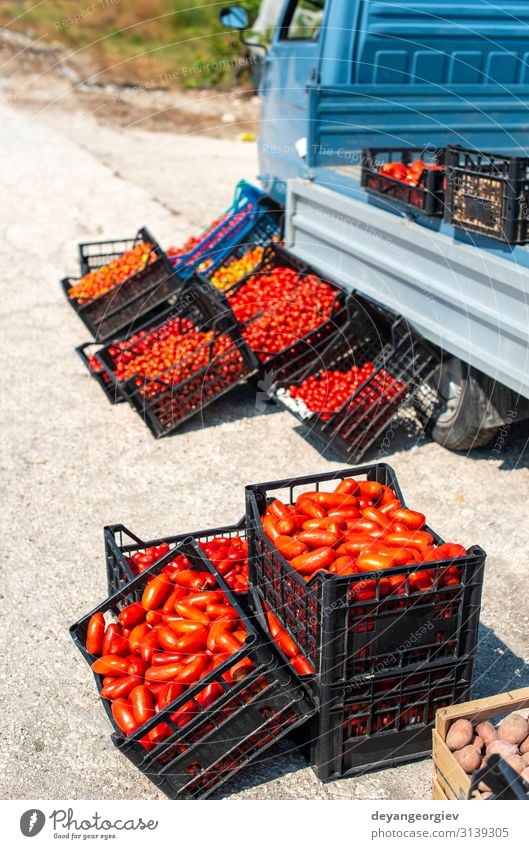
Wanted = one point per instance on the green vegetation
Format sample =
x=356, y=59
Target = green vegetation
x=154, y=42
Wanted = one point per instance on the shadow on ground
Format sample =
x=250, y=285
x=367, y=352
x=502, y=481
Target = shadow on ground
x=497, y=670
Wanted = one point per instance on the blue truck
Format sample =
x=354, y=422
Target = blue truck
x=339, y=77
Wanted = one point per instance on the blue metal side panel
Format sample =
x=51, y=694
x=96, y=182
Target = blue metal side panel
x=423, y=73
x=449, y=43
x=348, y=119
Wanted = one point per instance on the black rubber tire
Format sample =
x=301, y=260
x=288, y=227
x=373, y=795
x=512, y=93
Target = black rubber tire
x=457, y=423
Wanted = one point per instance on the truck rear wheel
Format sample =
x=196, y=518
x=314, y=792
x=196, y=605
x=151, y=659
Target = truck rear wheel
x=462, y=407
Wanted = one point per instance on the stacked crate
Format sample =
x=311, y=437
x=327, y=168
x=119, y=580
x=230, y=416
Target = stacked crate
x=384, y=663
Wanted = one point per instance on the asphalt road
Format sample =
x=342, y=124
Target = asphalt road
x=72, y=463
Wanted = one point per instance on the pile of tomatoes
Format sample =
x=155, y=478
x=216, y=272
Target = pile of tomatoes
x=183, y=628
x=173, y=353
x=328, y=391
x=229, y=555
x=96, y=283
x=190, y=243
x=411, y=174
x=227, y=275
x=359, y=528
x=208, y=241
x=280, y=307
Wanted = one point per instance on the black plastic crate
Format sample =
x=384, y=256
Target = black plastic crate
x=427, y=196
x=275, y=365
x=344, y=635
x=488, y=193
x=381, y=721
x=121, y=544
x=164, y=402
x=266, y=229
x=215, y=742
x=402, y=366
x=86, y=353
x=114, y=311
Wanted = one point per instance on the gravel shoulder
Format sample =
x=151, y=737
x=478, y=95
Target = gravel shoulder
x=72, y=463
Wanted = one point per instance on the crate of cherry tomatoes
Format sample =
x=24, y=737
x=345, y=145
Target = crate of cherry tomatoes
x=193, y=691
x=171, y=369
x=86, y=354
x=414, y=177
x=122, y=280
x=251, y=211
x=356, y=578
x=372, y=372
x=285, y=311
x=468, y=737
x=127, y=555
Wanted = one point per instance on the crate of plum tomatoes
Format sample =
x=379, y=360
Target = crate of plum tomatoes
x=127, y=555
x=193, y=691
x=357, y=579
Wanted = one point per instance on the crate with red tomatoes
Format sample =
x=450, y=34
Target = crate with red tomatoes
x=127, y=555
x=372, y=372
x=86, y=353
x=361, y=596
x=357, y=579
x=175, y=366
x=192, y=689
x=286, y=313
x=415, y=178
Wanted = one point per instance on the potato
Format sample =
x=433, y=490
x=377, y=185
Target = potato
x=487, y=795
x=468, y=758
x=502, y=748
x=487, y=732
x=459, y=735
x=483, y=788
x=525, y=774
x=524, y=746
x=518, y=764
x=525, y=758
x=478, y=743
x=513, y=729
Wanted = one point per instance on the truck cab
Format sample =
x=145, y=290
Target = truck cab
x=343, y=76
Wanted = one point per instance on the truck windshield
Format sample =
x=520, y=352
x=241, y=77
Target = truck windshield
x=304, y=20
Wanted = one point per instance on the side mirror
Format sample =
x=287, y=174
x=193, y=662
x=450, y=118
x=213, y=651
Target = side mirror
x=234, y=17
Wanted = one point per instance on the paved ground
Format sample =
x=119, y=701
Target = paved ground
x=73, y=463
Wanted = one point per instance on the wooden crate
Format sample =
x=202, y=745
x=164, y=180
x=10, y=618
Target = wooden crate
x=450, y=781
x=438, y=793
